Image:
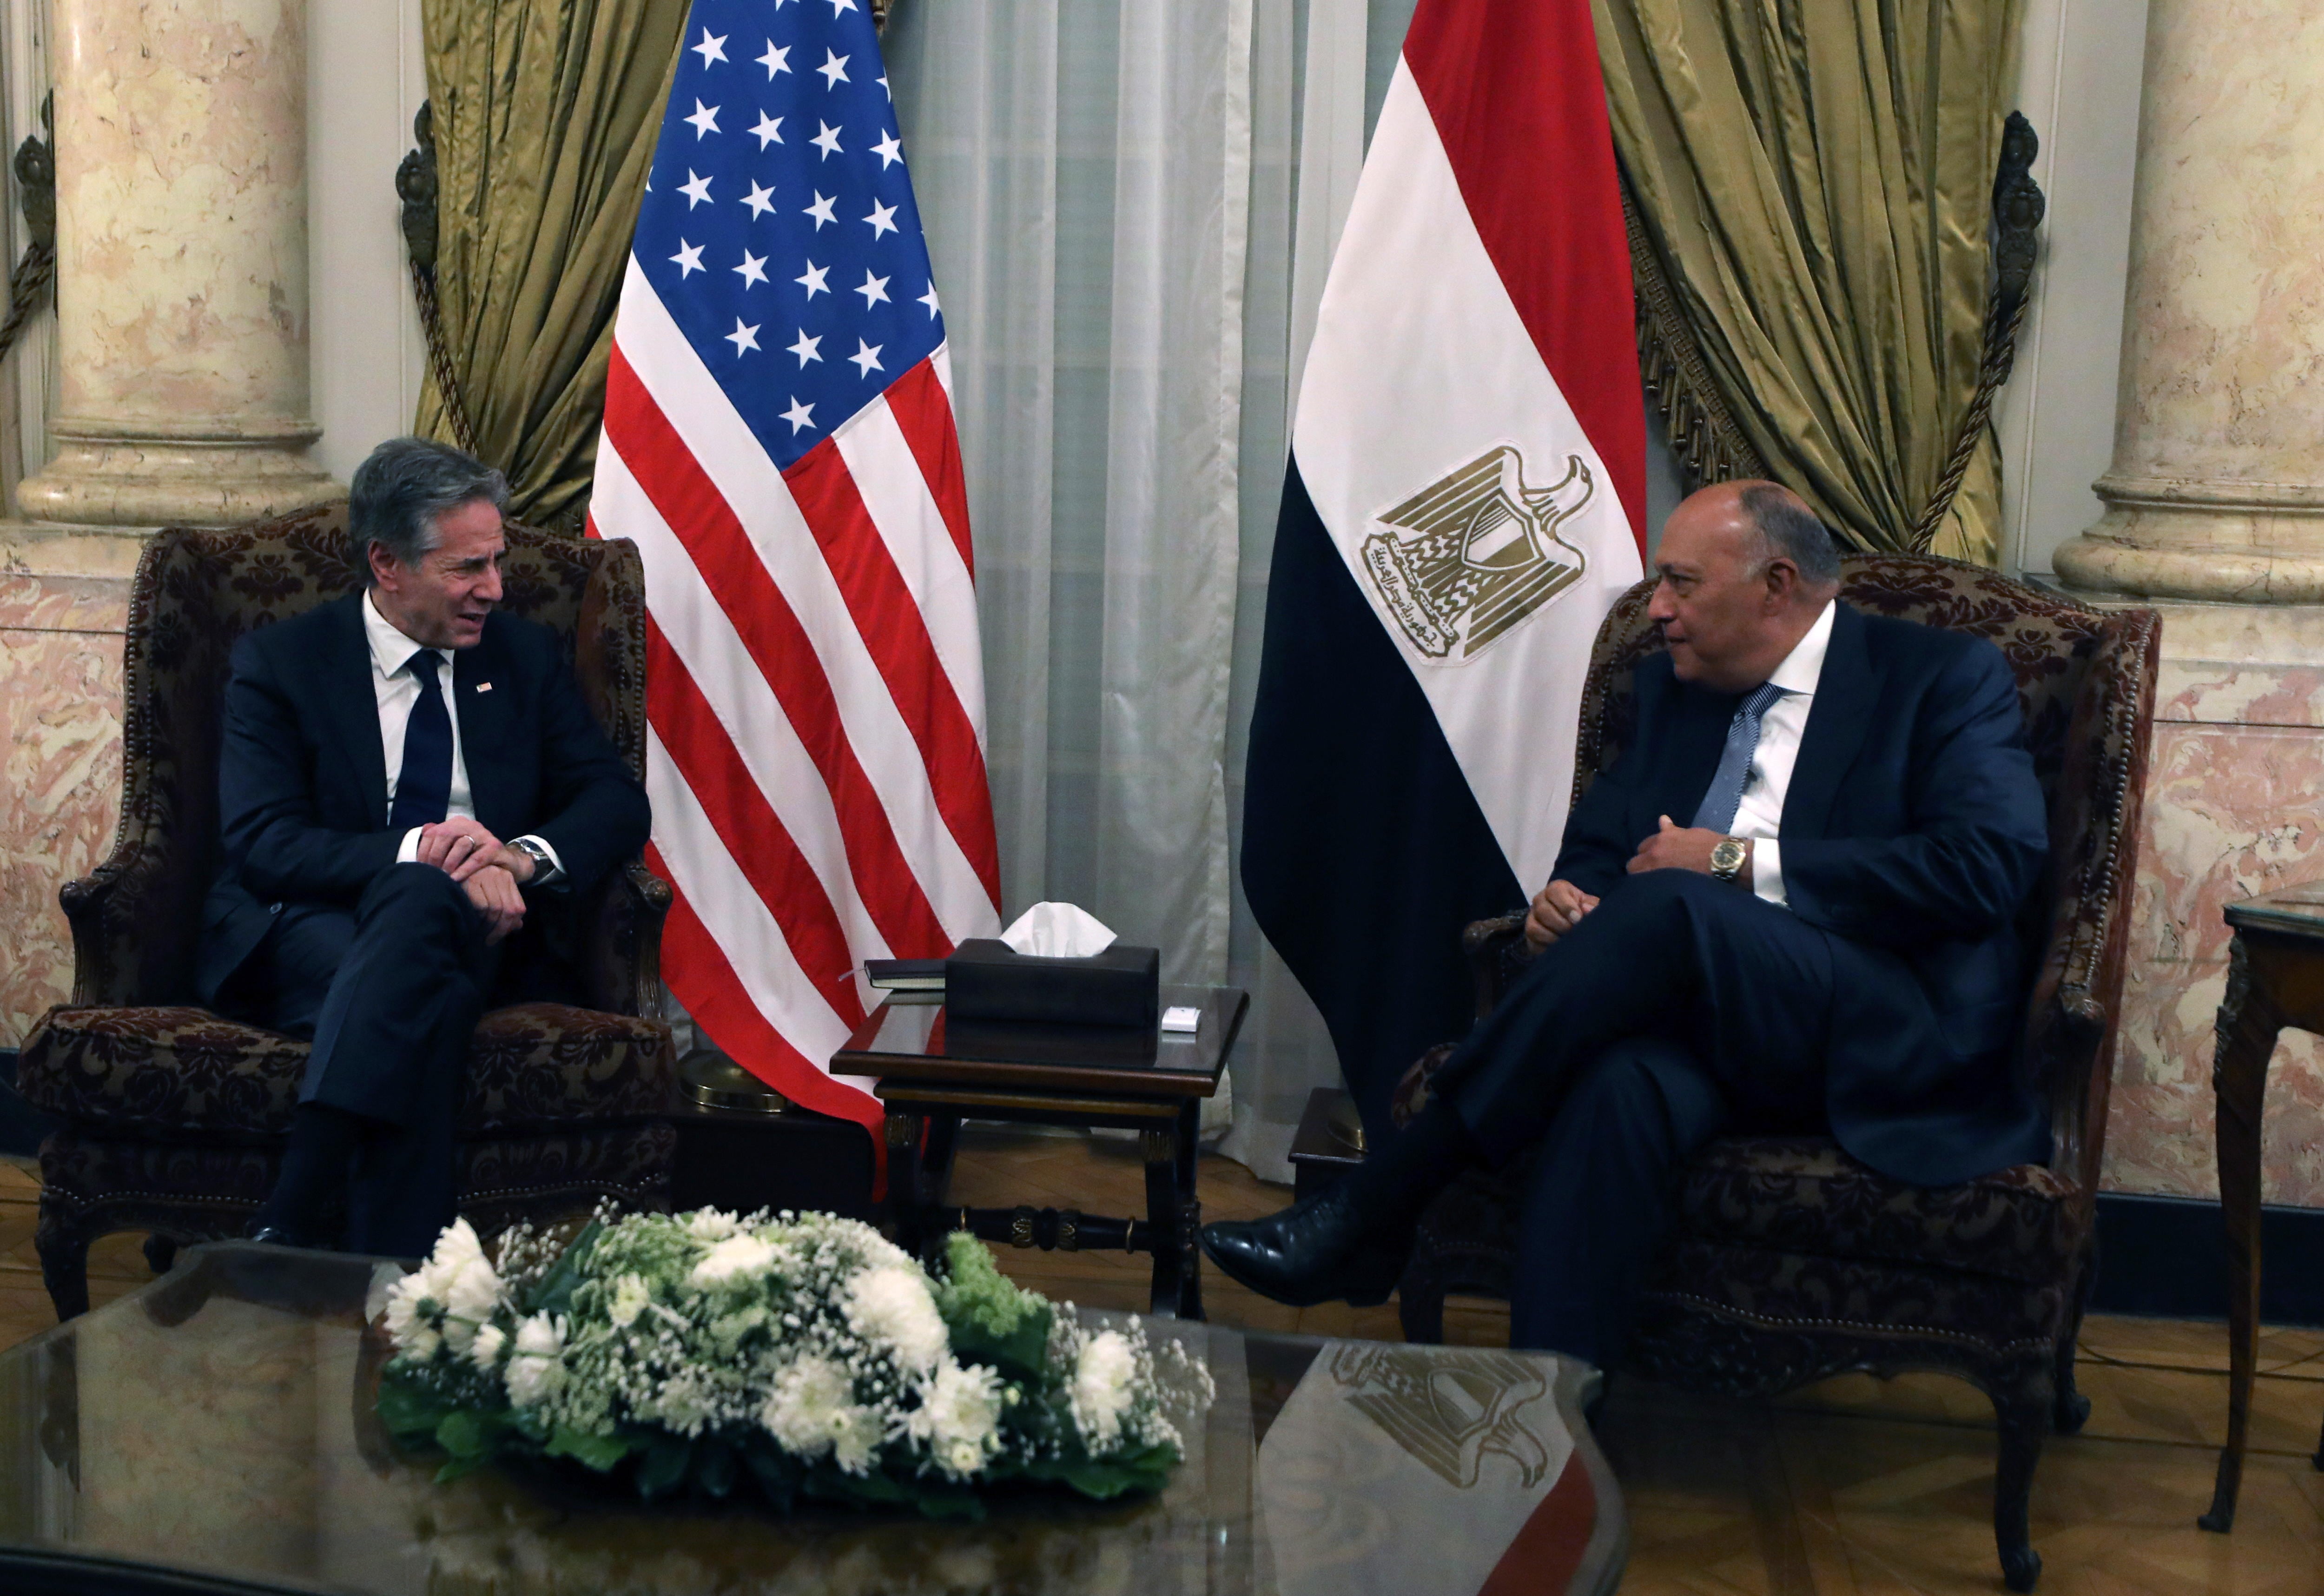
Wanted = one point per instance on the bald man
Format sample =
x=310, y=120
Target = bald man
x=1793, y=905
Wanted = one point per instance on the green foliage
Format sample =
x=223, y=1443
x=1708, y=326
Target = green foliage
x=993, y=1321
x=625, y=1356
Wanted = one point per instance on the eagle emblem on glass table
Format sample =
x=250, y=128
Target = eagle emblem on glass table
x=1469, y=557
x=1448, y=1408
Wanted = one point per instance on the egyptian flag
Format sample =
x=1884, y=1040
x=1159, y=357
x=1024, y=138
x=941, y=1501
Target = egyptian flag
x=1466, y=498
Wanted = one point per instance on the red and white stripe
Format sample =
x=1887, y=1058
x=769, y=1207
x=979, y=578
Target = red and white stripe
x=815, y=694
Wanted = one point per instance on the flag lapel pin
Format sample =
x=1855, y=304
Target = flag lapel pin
x=483, y=686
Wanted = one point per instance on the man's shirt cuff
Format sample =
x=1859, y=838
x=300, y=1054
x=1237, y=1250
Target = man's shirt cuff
x=407, y=851
x=1767, y=871
x=556, y=874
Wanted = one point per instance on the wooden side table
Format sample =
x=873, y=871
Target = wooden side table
x=936, y=1074
x=2275, y=978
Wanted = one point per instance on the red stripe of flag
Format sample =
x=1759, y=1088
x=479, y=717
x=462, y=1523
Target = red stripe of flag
x=918, y=400
x=698, y=515
x=755, y=838
x=896, y=633
x=1514, y=88
x=1548, y=1548
x=704, y=983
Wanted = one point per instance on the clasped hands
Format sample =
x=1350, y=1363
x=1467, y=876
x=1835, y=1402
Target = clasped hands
x=487, y=868
x=1559, y=906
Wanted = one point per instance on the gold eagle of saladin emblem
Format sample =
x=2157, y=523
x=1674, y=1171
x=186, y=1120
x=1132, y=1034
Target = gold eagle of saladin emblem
x=1469, y=557
x=1448, y=1409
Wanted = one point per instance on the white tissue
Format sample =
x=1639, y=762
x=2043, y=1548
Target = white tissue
x=1057, y=931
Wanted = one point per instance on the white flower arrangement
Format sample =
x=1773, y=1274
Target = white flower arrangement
x=801, y=1351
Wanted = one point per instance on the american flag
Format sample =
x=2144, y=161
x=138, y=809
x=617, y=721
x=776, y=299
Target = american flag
x=778, y=440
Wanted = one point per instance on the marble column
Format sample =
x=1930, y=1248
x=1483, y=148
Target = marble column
x=181, y=268
x=2214, y=516
x=2217, y=491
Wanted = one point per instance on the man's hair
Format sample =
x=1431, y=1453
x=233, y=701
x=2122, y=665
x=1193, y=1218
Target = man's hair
x=1793, y=533
x=402, y=489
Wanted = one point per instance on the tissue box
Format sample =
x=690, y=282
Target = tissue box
x=986, y=979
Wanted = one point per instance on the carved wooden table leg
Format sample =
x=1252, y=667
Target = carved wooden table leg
x=2247, y=1025
x=903, y=1204
x=1163, y=1199
x=1190, y=1211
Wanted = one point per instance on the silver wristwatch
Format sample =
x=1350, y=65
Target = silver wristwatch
x=545, y=871
x=1727, y=858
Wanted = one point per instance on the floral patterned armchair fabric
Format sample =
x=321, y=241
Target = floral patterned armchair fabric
x=173, y=1118
x=1793, y=1261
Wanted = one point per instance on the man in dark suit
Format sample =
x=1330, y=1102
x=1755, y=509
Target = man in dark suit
x=1791, y=905
x=366, y=897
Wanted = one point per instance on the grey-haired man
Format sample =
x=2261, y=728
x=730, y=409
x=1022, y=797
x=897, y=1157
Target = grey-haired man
x=400, y=768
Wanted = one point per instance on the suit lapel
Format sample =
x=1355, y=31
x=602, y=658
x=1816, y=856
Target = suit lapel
x=355, y=704
x=1837, y=721
x=483, y=696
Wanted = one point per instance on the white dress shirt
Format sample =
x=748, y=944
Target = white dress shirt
x=398, y=691
x=1759, y=818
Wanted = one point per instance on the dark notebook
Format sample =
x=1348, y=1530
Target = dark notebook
x=905, y=974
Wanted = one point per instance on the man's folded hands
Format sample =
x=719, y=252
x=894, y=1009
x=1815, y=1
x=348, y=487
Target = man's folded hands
x=487, y=868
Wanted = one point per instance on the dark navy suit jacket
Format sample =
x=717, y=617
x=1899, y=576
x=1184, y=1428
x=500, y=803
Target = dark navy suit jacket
x=1914, y=833
x=302, y=778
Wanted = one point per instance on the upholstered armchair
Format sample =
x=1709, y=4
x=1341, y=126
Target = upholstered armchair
x=1791, y=1260
x=171, y=1119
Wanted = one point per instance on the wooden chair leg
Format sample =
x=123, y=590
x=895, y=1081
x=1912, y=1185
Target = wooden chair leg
x=63, y=1241
x=161, y=1253
x=2023, y=1416
x=2072, y=1409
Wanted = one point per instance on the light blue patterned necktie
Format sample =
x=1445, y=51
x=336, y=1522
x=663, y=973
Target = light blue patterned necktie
x=1726, y=793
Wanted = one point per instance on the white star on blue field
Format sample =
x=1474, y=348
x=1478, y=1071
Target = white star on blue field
x=779, y=225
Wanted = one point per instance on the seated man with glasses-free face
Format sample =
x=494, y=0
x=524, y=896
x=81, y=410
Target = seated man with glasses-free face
x=408, y=780
x=1791, y=905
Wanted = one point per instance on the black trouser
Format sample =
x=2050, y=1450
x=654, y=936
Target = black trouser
x=1680, y=1007
x=391, y=992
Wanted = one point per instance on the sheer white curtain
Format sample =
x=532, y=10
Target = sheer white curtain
x=1113, y=193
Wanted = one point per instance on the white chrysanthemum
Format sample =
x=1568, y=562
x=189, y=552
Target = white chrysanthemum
x=469, y=1298
x=484, y=1350
x=891, y=1307
x=959, y=1416
x=456, y=1247
x=1105, y=1381
x=852, y=1449
x=808, y=1409
x=631, y=1295
x=711, y=1225
x=403, y=1315
x=421, y=1343
x=735, y=1256
x=537, y=1371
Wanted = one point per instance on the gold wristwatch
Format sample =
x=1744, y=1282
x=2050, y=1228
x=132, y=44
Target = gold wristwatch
x=1727, y=858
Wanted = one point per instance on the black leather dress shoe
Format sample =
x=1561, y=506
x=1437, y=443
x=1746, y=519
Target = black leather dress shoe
x=1315, y=1251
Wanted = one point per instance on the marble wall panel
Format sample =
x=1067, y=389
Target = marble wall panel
x=2159, y=1136
x=2219, y=694
x=2231, y=812
x=59, y=795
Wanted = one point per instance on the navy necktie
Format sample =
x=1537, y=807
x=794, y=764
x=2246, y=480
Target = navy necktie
x=424, y=790
x=1733, y=774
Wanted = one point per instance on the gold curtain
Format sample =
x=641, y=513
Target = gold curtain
x=545, y=113
x=1811, y=182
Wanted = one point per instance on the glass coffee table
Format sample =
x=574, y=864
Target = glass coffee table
x=213, y=1431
